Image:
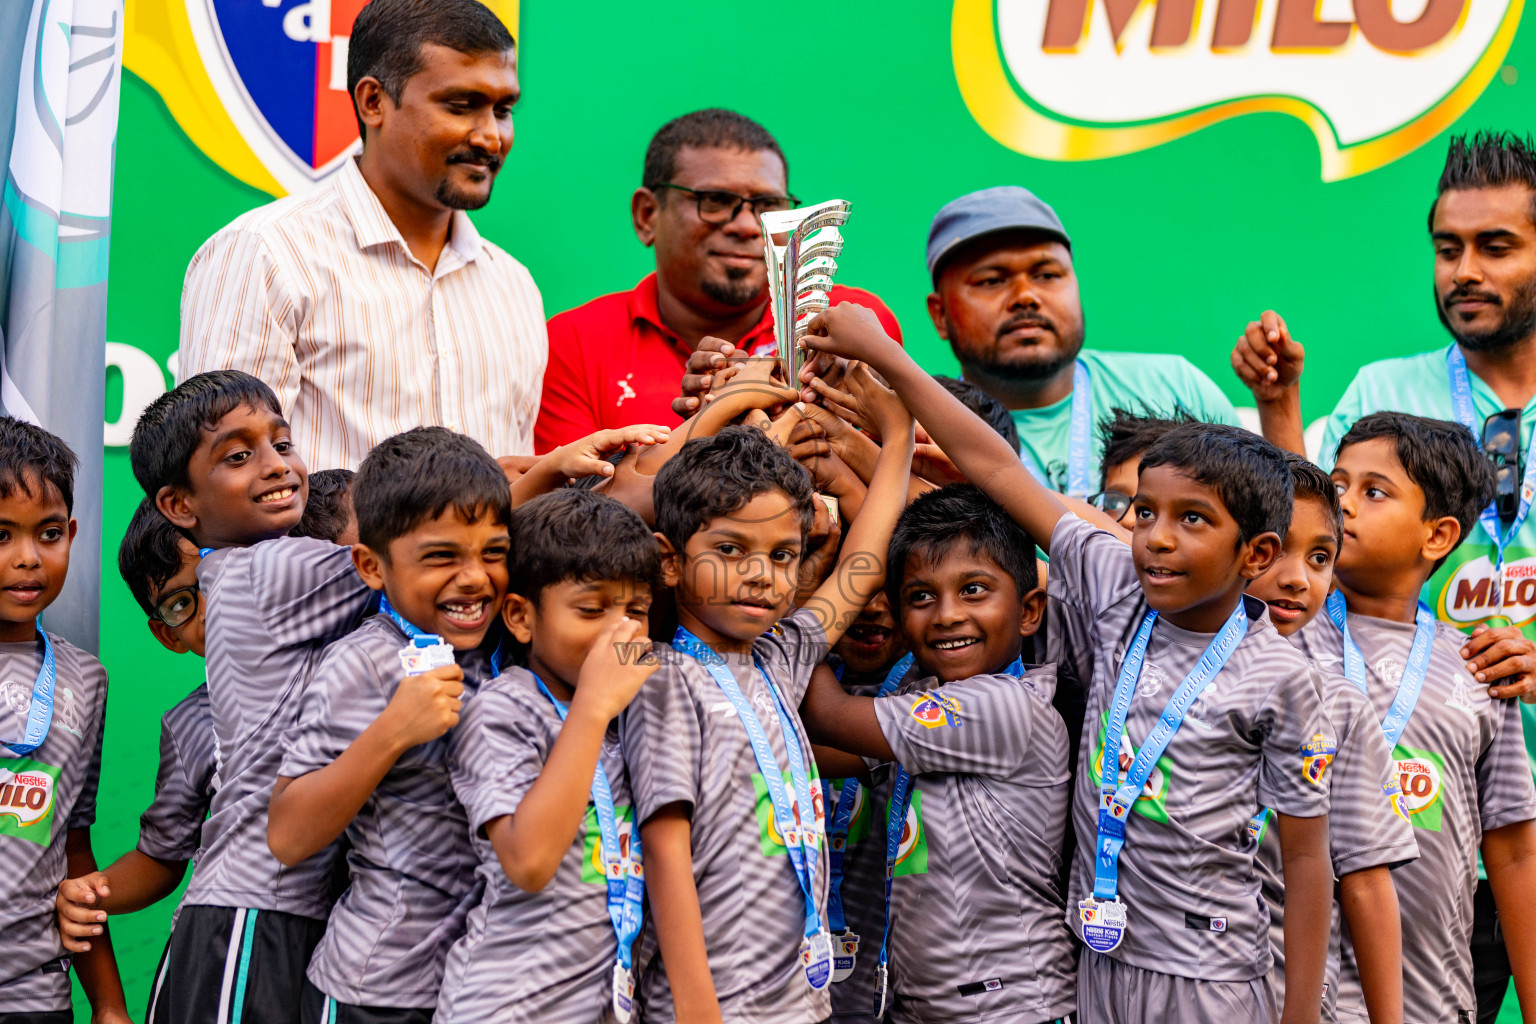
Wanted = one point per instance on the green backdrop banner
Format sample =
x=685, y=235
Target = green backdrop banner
x=1210, y=160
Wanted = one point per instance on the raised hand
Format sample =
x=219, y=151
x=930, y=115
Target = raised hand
x=619, y=661
x=711, y=355
x=425, y=706
x=850, y=331
x=587, y=456
x=1267, y=359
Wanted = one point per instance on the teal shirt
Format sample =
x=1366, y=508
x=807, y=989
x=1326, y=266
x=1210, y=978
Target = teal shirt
x=1150, y=384
x=1461, y=591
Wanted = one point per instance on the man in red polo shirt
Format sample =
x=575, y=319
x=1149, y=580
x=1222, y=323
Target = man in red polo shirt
x=620, y=358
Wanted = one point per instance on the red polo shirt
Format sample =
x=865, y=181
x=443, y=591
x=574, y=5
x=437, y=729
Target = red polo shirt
x=612, y=362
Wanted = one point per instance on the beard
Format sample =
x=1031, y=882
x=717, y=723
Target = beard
x=455, y=198
x=1024, y=366
x=737, y=290
x=1517, y=324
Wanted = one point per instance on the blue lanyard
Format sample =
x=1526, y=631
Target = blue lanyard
x=623, y=875
x=1080, y=476
x=800, y=838
x=1119, y=797
x=1412, y=683
x=842, y=818
x=1461, y=402
x=40, y=714
x=412, y=633
x=895, y=825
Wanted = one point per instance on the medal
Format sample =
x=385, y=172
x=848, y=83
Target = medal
x=816, y=956
x=845, y=953
x=623, y=992
x=425, y=653
x=1103, y=923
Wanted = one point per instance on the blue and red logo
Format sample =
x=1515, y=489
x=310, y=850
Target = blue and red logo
x=259, y=85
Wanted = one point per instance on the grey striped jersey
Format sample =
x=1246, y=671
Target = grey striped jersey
x=1187, y=875
x=42, y=795
x=683, y=743
x=172, y=826
x=1365, y=828
x=1462, y=769
x=541, y=957
x=410, y=868
x=271, y=610
x=978, y=929
x=863, y=889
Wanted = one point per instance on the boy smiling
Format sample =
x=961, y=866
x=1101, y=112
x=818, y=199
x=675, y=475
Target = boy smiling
x=367, y=755
x=1165, y=896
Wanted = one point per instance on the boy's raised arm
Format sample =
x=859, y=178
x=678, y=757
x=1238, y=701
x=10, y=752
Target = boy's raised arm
x=977, y=450
x=861, y=566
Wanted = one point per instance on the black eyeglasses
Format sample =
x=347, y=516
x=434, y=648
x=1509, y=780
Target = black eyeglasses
x=1111, y=503
x=177, y=608
x=716, y=207
x=1501, y=443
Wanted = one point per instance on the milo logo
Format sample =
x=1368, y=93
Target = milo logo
x=912, y=852
x=27, y=790
x=1470, y=593
x=1087, y=79
x=809, y=828
x=1421, y=777
x=1152, y=801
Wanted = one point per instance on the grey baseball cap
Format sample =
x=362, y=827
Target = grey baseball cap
x=1002, y=208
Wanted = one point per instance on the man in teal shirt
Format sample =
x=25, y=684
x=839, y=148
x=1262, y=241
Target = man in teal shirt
x=1483, y=228
x=1005, y=297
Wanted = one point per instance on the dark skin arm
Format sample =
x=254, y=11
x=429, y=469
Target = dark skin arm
x=1269, y=363
x=1308, y=914
x=978, y=452
x=667, y=848
x=1509, y=854
x=96, y=968
x=1504, y=659
x=836, y=718
x=1369, y=903
x=836, y=764
x=134, y=881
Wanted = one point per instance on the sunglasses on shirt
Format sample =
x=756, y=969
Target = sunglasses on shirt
x=1501, y=443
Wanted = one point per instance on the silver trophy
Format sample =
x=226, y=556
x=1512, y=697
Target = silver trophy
x=800, y=273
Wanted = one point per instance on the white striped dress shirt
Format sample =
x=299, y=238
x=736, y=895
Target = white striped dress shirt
x=319, y=296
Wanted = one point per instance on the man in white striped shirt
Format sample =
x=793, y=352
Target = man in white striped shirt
x=372, y=305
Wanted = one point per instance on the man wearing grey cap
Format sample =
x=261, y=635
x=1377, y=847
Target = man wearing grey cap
x=1005, y=297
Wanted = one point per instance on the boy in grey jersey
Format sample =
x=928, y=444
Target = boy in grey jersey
x=217, y=459
x=1410, y=489
x=1210, y=506
x=867, y=653
x=542, y=944
x=52, y=707
x=977, y=924
x=367, y=756
x=738, y=900
x=1368, y=835
x=160, y=567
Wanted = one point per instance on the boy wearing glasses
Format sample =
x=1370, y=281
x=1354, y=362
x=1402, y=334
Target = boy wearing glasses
x=1124, y=437
x=160, y=567
x=619, y=358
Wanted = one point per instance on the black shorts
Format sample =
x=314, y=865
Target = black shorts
x=319, y=1008
x=41, y=1017
x=229, y=966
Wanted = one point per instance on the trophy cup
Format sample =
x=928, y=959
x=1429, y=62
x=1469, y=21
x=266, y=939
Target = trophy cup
x=800, y=273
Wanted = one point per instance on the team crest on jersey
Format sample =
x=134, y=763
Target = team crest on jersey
x=593, y=870
x=1152, y=801
x=1393, y=791
x=15, y=698
x=936, y=708
x=27, y=795
x=1421, y=778
x=1316, y=755
x=809, y=830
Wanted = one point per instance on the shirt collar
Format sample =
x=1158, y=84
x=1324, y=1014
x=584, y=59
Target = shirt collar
x=371, y=224
x=644, y=305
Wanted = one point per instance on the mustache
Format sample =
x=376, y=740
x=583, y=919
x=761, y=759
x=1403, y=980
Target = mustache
x=1025, y=320
x=1464, y=292
x=474, y=155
